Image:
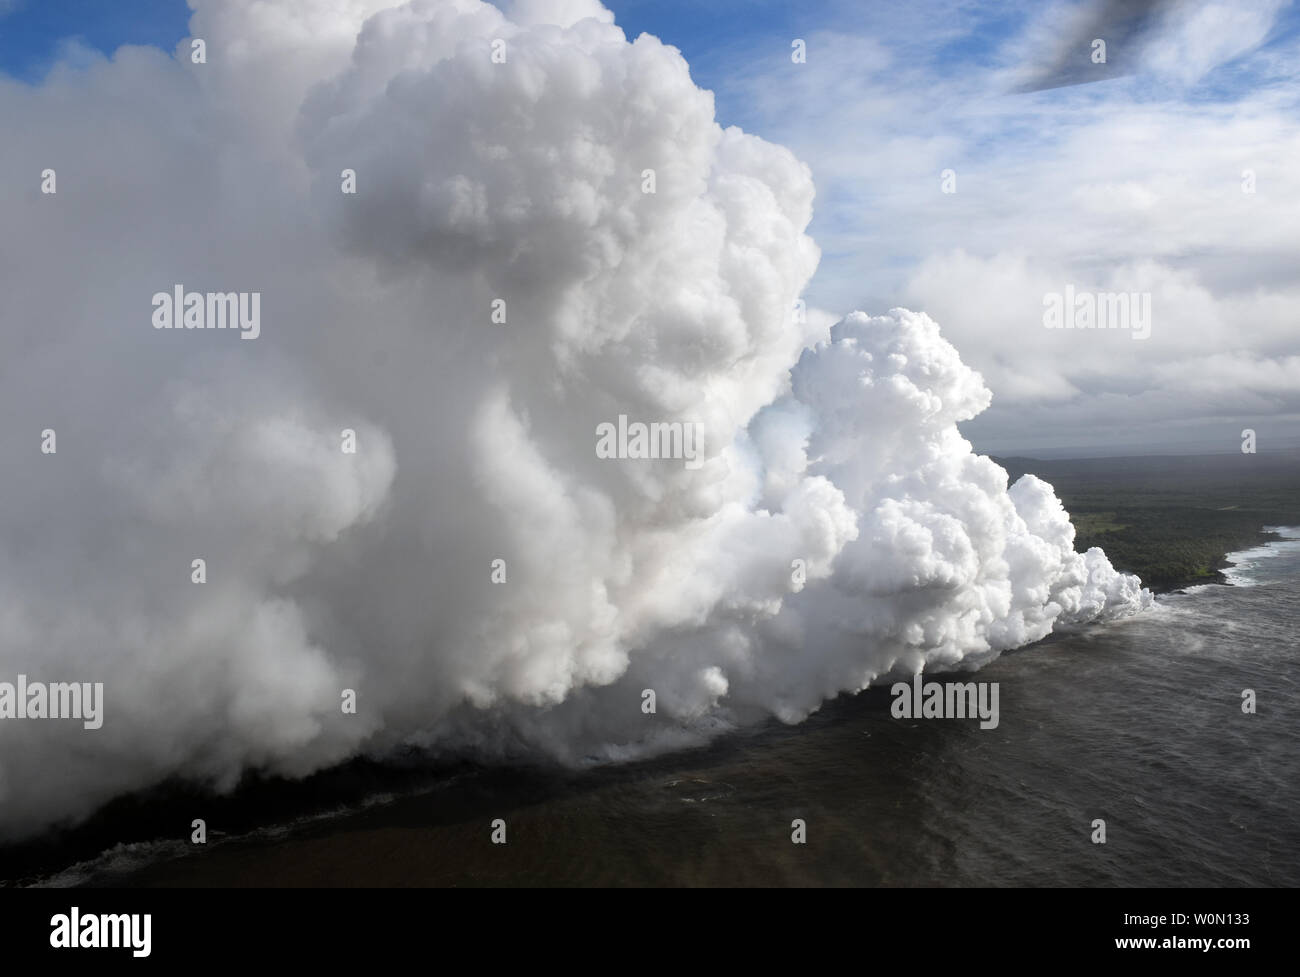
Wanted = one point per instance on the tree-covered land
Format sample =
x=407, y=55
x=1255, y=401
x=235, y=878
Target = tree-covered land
x=1171, y=520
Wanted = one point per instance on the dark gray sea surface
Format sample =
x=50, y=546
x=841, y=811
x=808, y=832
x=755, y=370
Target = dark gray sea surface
x=1137, y=723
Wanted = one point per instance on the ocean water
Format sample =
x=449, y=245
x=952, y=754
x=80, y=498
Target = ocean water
x=1138, y=723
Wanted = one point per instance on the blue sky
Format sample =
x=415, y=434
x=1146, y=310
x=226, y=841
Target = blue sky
x=33, y=32
x=711, y=36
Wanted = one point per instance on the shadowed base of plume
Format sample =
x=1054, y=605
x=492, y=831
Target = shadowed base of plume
x=164, y=813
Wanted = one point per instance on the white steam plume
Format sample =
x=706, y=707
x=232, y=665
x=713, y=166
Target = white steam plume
x=477, y=181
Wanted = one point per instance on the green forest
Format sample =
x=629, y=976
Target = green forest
x=1171, y=520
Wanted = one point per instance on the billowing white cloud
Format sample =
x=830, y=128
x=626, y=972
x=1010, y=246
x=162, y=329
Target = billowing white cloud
x=837, y=530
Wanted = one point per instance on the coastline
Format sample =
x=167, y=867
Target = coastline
x=1217, y=567
x=373, y=806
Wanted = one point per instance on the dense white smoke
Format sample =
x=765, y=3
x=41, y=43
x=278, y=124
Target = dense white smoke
x=477, y=181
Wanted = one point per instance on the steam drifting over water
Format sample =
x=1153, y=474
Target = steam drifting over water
x=837, y=532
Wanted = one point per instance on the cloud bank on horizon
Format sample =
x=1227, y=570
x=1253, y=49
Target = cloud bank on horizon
x=839, y=532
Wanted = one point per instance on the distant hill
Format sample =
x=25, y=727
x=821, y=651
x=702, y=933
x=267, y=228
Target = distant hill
x=1171, y=519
